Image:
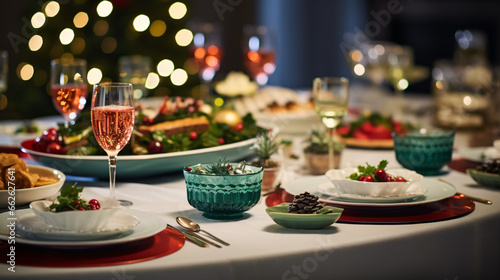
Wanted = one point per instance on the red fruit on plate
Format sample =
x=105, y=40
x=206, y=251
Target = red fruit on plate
x=188, y=169
x=229, y=166
x=193, y=135
x=239, y=127
x=155, y=147
x=368, y=179
x=358, y=134
x=40, y=144
x=390, y=178
x=361, y=178
x=400, y=179
x=367, y=127
x=343, y=130
x=397, y=126
x=380, y=175
x=381, y=132
x=221, y=140
x=51, y=130
x=55, y=148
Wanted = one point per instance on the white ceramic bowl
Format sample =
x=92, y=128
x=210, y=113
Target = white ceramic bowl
x=344, y=185
x=24, y=196
x=81, y=221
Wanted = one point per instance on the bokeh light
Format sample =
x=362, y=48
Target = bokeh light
x=178, y=77
x=152, y=81
x=104, y=8
x=177, y=10
x=26, y=71
x=38, y=20
x=101, y=27
x=94, y=76
x=80, y=20
x=141, y=23
x=78, y=45
x=157, y=28
x=359, y=69
x=184, y=37
x=35, y=43
x=52, y=8
x=403, y=84
x=67, y=36
x=109, y=45
x=165, y=67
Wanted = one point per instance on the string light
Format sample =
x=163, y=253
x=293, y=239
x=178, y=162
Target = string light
x=80, y=20
x=104, y=8
x=184, y=37
x=158, y=27
x=52, y=8
x=26, y=71
x=152, y=81
x=67, y=36
x=38, y=20
x=177, y=10
x=35, y=43
x=165, y=67
x=178, y=77
x=94, y=76
x=141, y=23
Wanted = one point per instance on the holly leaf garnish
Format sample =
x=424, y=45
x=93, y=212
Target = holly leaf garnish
x=368, y=170
x=69, y=200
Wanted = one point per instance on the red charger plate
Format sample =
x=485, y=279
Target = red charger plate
x=449, y=208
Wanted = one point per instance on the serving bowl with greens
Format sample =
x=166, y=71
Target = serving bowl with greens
x=223, y=190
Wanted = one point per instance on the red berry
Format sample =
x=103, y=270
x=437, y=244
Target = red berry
x=93, y=207
x=77, y=203
x=55, y=148
x=80, y=208
x=193, y=135
x=221, y=140
x=239, y=127
x=380, y=174
x=400, y=179
x=368, y=179
x=390, y=178
x=361, y=178
x=51, y=130
x=94, y=201
x=155, y=147
x=40, y=144
x=229, y=166
x=145, y=119
x=188, y=169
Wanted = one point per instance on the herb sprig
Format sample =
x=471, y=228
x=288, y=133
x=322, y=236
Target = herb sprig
x=69, y=200
x=368, y=170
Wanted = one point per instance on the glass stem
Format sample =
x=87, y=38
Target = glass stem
x=112, y=175
x=331, y=164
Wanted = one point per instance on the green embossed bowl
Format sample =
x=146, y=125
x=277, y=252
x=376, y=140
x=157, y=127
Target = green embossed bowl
x=425, y=152
x=280, y=215
x=484, y=178
x=223, y=197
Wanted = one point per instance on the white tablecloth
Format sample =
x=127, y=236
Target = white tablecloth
x=463, y=248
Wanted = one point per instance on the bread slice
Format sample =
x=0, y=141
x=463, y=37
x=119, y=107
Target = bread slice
x=197, y=125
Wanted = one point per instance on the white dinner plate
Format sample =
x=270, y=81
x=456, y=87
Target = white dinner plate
x=8, y=137
x=30, y=225
x=412, y=193
x=149, y=225
x=436, y=190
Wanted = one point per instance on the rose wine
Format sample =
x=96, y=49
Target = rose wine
x=261, y=61
x=112, y=125
x=208, y=57
x=70, y=98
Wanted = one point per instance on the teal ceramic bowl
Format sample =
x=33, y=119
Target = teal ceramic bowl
x=484, y=178
x=280, y=215
x=425, y=152
x=224, y=197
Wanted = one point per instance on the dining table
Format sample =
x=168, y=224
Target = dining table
x=457, y=238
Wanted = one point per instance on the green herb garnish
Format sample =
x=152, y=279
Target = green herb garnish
x=368, y=170
x=69, y=200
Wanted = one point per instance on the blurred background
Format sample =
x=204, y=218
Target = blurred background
x=153, y=44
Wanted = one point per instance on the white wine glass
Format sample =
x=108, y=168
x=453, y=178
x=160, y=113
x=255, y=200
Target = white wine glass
x=68, y=87
x=331, y=96
x=113, y=114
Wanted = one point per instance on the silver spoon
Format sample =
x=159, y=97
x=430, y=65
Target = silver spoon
x=193, y=226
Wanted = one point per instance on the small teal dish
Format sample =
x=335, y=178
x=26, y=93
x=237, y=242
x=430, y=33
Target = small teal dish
x=280, y=215
x=484, y=178
x=425, y=152
x=224, y=197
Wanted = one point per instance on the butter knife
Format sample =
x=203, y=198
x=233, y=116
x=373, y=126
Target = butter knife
x=191, y=238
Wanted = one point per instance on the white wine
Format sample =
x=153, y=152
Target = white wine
x=331, y=113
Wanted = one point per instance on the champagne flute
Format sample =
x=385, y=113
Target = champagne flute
x=113, y=113
x=68, y=87
x=206, y=52
x=331, y=96
x=4, y=70
x=259, y=53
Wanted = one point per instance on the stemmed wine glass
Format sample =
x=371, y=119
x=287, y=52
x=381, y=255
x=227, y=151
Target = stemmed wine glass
x=113, y=113
x=331, y=96
x=68, y=87
x=4, y=70
x=259, y=53
x=206, y=52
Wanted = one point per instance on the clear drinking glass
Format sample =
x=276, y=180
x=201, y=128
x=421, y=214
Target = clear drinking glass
x=4, y=70
x=259, y=52
x=113, y=114
x=331, y=96
x=68, y=87
x=135, y=69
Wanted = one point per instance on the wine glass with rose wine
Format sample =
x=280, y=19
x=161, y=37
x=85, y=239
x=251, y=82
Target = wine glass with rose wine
x=113, y=113
x=259, y=53
x=331, y=96
x=68, y=87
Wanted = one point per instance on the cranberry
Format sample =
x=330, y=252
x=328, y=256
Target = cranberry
x=155, y=147
x=80, y=208
x=94, y=204
x=188, y=169
x=93, y=207
x=51, y=130
x=55, y=148
x=361, y=178
x=380, y=174
x=77, y=203
x=221, y=140
x=40, y=144
x=94, y=201
x=239, y=127
x=193, y=135
x=390, y=179
x=400, y=179
x=368, y=179
x=229, y=166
